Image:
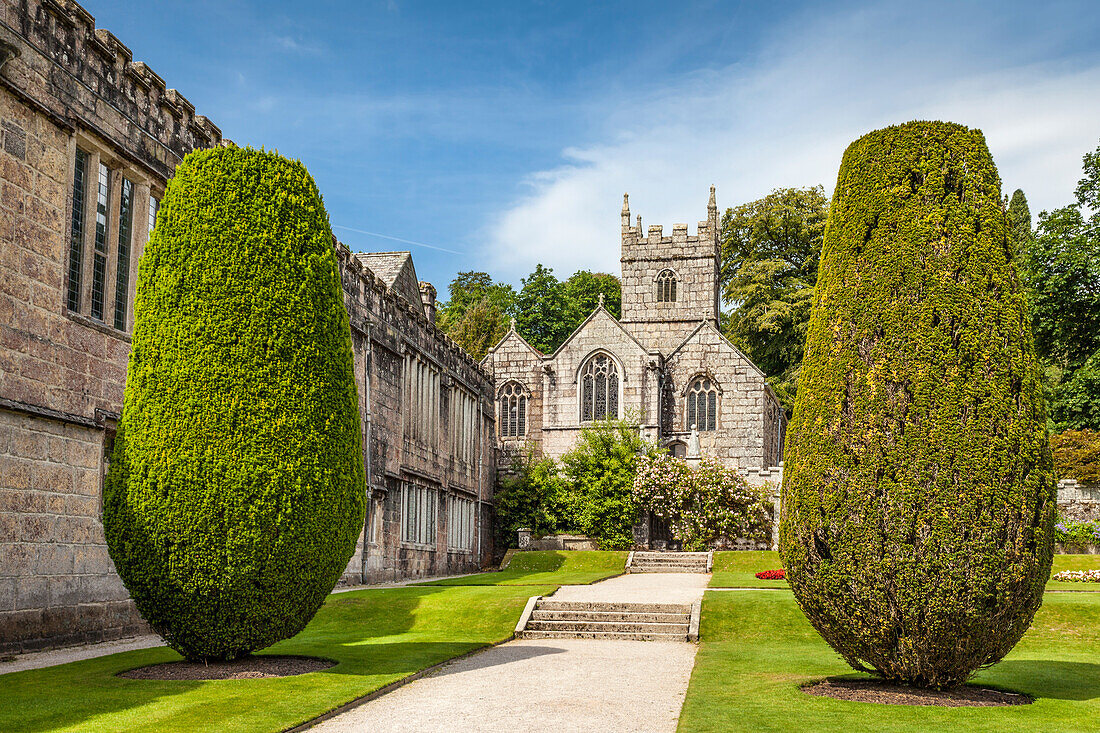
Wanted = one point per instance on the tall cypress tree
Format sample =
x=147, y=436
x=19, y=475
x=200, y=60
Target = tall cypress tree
x=918, y=497
x=1019, y=222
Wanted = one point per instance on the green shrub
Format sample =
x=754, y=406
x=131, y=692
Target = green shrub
x=1077, y=455
x=1077, y=533
x=235, y=492
x=918, y=499
x=600, y=470
x=703, y=505
x=534, y=496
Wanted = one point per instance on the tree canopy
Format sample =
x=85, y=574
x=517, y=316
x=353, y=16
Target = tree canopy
x=770, y=252
x=1061, y=267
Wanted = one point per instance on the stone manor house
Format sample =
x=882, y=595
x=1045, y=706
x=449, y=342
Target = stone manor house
x=88, y=140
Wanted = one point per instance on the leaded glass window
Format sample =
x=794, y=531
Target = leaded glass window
x=122, y=266
x=599, y=389
x=76, y=231
x=513, y=410
x=702, y=404
x=99, y=260
x=666, y=286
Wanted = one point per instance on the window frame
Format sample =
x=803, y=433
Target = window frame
x=665, y=284
x=518, y=394
x=712, y=403
x=615, y=371
x=83, y=274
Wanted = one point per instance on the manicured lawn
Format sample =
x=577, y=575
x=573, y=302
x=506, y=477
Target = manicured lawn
x=377, y=636
x=738, y=569
x=557, y=567
x=757, y=649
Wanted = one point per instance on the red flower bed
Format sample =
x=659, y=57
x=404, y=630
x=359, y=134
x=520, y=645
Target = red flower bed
x=772, y=575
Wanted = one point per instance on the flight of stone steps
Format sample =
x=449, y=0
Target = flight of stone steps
x=669, y=562
x=546, y=618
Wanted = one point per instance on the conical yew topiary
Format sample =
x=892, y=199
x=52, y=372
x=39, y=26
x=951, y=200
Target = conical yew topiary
x=918, y=499
x=236, y=491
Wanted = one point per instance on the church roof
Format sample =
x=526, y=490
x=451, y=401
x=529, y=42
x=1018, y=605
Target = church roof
x=511, y=332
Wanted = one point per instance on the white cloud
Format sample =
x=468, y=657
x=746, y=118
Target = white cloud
x=785, y=120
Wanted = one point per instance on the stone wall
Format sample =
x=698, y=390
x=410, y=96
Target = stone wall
x=1078, y=502
x=695, y=261
x=515, y=360
x=747, y=428
x=385, y=328
x=639, y=371
x=65, y=84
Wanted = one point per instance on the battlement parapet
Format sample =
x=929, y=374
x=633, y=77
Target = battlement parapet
x=355, y=274
x=85, y=77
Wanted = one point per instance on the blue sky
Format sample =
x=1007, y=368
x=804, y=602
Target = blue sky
x=504, y=134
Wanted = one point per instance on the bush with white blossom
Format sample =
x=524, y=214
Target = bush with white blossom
x=704, y=504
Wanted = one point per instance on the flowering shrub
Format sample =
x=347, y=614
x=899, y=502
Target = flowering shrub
x=772, y=575
x=1077, y=533
x=1078, y=576
x=704, y=504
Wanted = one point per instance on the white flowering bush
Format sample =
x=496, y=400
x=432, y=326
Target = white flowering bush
x=703, y=505
x=1078, y=576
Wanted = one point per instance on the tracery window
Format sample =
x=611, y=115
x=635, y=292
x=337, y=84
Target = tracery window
x=599, y=389
x=513, y=410
x=666, y=286
x=702, y=404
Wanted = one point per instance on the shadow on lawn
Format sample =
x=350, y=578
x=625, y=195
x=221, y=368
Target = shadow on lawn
x=1047, y=678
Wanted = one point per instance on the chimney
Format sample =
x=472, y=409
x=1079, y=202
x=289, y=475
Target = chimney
x=427, y=298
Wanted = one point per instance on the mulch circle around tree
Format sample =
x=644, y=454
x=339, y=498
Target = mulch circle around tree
x=890, y=693
x=246, y=668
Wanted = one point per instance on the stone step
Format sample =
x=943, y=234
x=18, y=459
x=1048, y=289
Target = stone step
x=552, y=605
x=651, y=569
x=603, y=635
x=631, y=616
x=667, y=564
x=640, y=553
x=607, y=627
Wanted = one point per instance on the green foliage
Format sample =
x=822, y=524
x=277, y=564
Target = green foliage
x=1077, y=533
x=543, y=310
x=583, y=290
x=918, y=497
x=1019, y=223
x=600, y=469
x=478, y=312
x=703, y=505
x=533, y=495
x=548, y=311
x=1061, y=266
x=235, y=492
x=770, y=252
x=1077, y=455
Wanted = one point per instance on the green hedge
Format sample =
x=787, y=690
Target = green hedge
x=236, y=489
x=918, y=498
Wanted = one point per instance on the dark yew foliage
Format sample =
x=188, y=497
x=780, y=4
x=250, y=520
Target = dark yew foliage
x=918, y=500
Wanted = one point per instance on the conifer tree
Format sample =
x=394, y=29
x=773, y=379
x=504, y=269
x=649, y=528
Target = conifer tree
x=918, y=498
x=235, y=493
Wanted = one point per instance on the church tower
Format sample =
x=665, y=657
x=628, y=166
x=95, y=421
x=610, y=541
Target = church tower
x=670, y=284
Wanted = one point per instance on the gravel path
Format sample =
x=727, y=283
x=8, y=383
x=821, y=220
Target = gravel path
x=572, y=685
x=552, y=684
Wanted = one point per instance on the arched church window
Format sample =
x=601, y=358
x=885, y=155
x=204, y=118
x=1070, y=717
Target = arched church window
x=702, y=404
x=599, y=389
x=666, y=286
x=513, y=410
